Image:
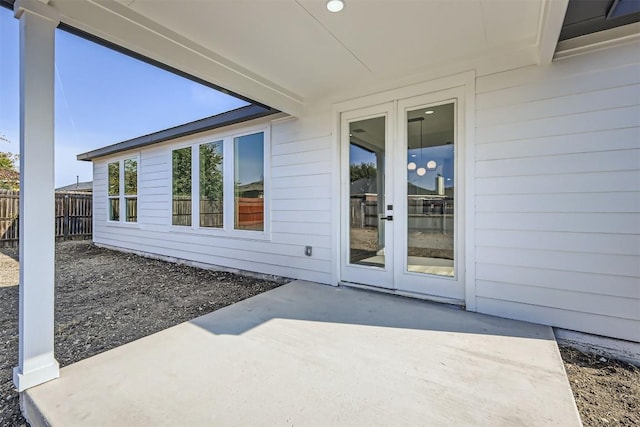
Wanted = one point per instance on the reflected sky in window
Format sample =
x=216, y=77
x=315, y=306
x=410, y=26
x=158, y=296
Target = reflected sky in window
x=249, y=158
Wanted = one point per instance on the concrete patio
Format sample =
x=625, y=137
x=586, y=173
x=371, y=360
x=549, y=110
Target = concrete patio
x=312, y=355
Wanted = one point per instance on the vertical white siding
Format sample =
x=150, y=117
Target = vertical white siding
x=558, y=193
x=300, y=209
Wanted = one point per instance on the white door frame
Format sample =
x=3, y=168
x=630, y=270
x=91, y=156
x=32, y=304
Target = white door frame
x=382, y=277
x=438, y=287
x=466, y=84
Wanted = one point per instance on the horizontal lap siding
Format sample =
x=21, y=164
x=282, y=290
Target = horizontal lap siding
x=300, y=209
x=558, y=193
x=301, y=193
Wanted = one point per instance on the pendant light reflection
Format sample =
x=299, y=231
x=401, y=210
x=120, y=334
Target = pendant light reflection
x=421, y=171
x=412, y=166
x=431, y=165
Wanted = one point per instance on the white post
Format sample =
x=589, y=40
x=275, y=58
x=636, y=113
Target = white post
x=36, y=363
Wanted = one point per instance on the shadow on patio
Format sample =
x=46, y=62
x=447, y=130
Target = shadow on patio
x=360, y=307
x=306, y=354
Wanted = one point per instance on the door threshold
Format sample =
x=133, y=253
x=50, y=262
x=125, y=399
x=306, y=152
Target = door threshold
x=442, y=300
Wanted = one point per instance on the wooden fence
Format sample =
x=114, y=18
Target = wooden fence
x=250, y=212
x=73, y=216
x=364, y=213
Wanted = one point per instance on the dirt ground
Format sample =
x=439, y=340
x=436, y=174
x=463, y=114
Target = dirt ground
x=364, y=244
x=105, y=299
x=607, y=392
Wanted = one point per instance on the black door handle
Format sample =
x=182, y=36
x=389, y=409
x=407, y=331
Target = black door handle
x=387, y=218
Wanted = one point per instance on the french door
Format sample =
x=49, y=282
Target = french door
x=402, y=200
x=367, y=200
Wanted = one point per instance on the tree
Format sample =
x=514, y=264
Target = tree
x=211, y=180
x=114, y=179
x=362, y=170
x=131, y=176
x=182, y=172
x=9, y=175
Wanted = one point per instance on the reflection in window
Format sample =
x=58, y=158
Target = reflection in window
x=114, y=191
x=131, y=189
x=181, y=186
x=249, y=182
x=211, y=185
x=366, y=194
x=123, y=193
x=114, y=209
x=431, y=190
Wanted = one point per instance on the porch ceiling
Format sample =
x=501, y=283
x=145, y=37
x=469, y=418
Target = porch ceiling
x=285, y=52
x=304, y=48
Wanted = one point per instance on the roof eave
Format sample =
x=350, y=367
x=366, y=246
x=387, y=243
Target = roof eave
x=243, y=114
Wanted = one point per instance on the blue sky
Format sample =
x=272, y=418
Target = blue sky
x=101, y=97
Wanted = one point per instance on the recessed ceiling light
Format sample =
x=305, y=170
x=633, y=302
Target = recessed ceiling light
x=429, y=112
x=335, y=5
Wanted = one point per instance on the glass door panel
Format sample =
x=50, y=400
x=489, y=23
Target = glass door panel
x=367, y=230
x=431, y=190
x=367, y=192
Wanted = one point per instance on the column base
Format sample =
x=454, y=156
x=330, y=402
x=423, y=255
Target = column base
x=34, y=377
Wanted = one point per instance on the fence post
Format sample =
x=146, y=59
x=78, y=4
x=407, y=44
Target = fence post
x=65, y=217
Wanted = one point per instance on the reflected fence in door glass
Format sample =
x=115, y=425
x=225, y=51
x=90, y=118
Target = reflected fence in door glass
x=431, y=190
x=366, y=195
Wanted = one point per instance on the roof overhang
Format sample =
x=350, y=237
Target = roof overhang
x=228, y=118
x=113, y=24
x=289, y=53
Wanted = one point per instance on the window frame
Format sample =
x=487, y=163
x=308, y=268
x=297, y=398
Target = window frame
x=122, y=197
x=228, y=167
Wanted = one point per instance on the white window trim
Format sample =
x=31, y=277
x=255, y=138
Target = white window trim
x=228, y=229
x=122, y=221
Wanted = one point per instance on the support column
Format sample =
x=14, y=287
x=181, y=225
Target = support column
x=36, y=362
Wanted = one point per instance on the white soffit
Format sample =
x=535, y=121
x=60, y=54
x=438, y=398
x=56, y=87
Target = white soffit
x=301, y=46
x=276, y=39
x=304, y=51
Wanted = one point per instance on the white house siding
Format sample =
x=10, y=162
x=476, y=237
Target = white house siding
x=300, y=208
x=558, y=193
x=557, y=203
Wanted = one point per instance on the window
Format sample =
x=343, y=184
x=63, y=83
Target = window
x=131, y=189
x=220, y=184
x=114, y=191
x=123, y=190
x=181, y=173
x=211, y=185
x=249, y=182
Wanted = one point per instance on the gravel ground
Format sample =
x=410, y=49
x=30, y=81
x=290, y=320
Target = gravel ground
x=107, y=298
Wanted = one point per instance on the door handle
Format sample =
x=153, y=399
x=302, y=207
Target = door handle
x=387, y=218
